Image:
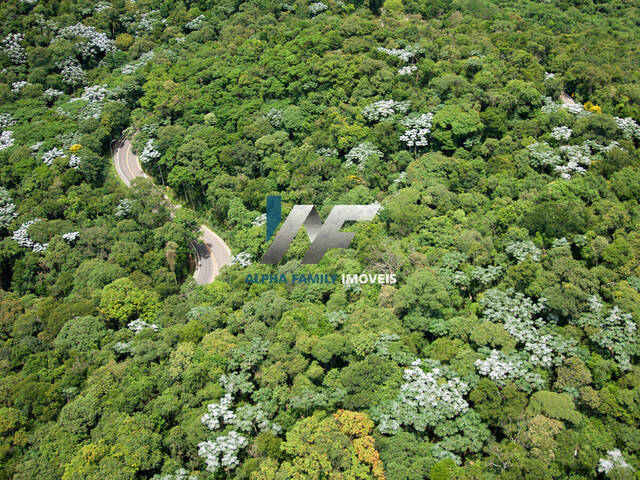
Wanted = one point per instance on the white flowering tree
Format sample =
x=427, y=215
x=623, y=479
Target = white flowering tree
x=614, y=460
x=7, y=208
x=133, y=67
x=567, y=160
x=406, y=54
x=196, y=23
x=50, y=155
x=75, y=161
x=274, y=116
x=614, y=331
x=549, y=106
x=561, y=134
x=260, y=220
x=19, y=85
x=13, y=49
x=243, y=259
x=70, y=237
x=577, y=157
x=148, y=20
x=72, y=74
x=317, y=8
x=150, y=152
x=136, y=326
x=123, y=209
x=521, y=318
x=576, y=109
x=6, y=139
x=515, y=367
x=523, y=250
x=401, y=178
x=629, y=127
x=220, y=413
x=223, y=450
x=51, y=94
x=560, y=242
x=407, y=70
x=361, y=154
x=542, y=154
x=92, y=100
x=89, y=42
x=431, y=399
x=180, y=474
x=6, y=120
x=417, y=129
x=426, y=398
x=485, y=276
x=21, y=236
x=327, y=152
x=122, y=347
x=384, y=109
x=35, y=148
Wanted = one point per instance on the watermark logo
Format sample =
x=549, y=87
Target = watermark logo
x=323, y=236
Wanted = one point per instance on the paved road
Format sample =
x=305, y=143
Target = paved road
x=211, y=251
x=566, y=99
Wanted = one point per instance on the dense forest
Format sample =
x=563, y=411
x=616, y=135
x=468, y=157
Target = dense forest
x=501, y=141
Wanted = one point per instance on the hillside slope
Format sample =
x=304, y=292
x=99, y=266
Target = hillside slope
x=507, y=349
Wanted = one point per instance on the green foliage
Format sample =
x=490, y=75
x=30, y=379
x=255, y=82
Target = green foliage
x=324, y=445
x=121, y=301
x=443, y=470
x=573, y=374
x=423, y=300
x=80, y=415
x=501, y=233
x=80, y=333
x=453, y=126
x=556, y=405
x=405, y=456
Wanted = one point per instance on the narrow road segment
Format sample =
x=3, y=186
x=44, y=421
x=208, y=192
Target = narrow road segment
x=211, y=251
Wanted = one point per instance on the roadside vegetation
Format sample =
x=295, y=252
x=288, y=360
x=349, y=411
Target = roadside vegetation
x=509, y=347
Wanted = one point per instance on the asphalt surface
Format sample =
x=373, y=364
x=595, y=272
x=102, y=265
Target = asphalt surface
x=566, y=99
x=211, y=251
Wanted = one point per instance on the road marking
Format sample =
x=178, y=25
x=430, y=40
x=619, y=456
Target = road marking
x=119, y=167
x=128, y=165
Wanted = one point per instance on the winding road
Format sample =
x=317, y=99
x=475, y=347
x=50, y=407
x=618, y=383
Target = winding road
x=566, y=99
x=211, y=251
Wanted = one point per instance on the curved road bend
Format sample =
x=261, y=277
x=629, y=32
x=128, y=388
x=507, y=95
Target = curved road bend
x=566, y=99
x=211, y=251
